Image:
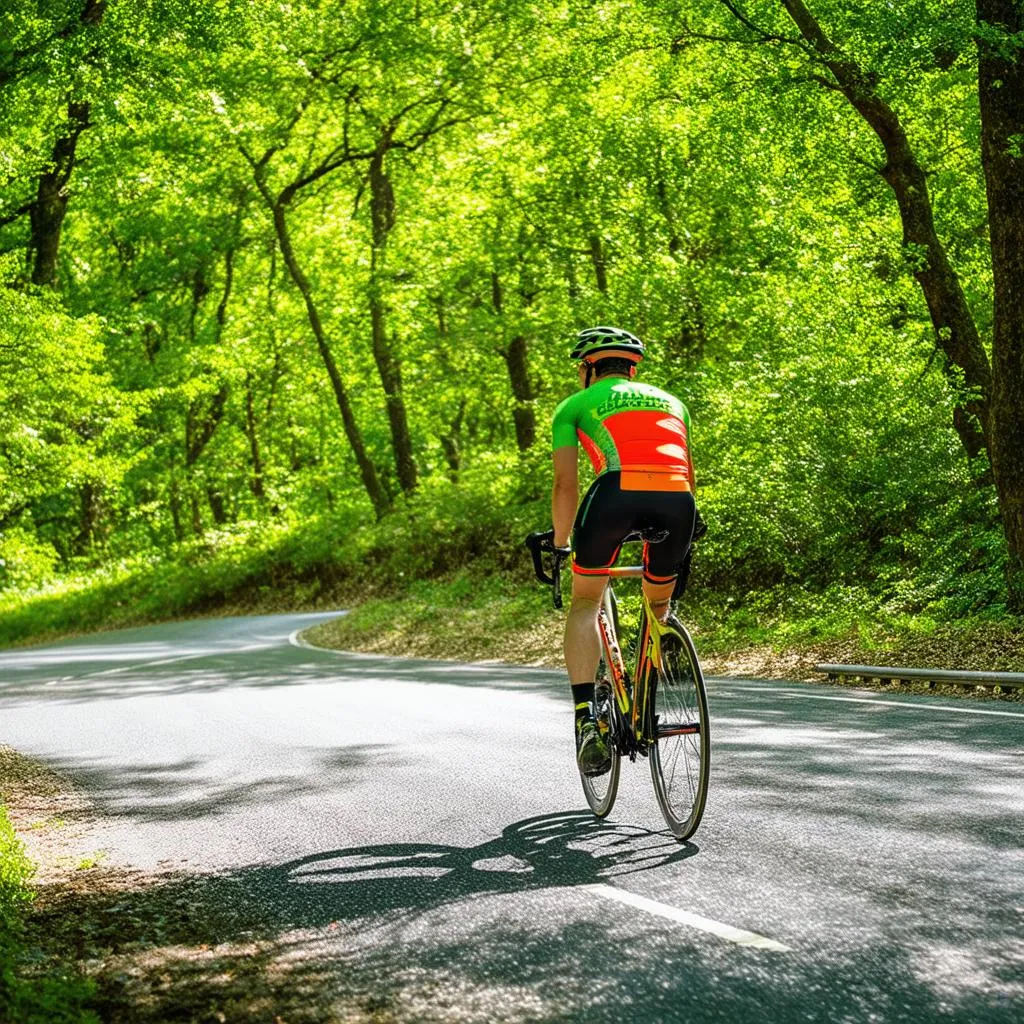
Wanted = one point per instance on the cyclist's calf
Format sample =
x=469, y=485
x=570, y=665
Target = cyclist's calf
x=582, y=639
x=659, y=595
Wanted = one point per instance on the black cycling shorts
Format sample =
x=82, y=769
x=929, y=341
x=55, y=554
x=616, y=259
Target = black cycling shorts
x=608, y=514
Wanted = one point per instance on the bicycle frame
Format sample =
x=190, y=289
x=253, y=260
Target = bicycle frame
x=640, y=716
x=632, y=705
x=631, y=701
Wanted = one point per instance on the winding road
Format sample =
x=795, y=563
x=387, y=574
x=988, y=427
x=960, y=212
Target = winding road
x=416, y=831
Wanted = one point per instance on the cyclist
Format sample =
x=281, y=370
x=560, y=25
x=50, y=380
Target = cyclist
x=637, y=438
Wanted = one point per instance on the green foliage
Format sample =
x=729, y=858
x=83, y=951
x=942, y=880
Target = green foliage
x=15, y=871
x=55, y=999
x=25, y=559
x=170, y=439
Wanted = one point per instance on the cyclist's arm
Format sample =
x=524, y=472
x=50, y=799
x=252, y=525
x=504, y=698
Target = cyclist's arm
x=564, y=493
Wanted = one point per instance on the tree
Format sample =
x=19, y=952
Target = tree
x=1001, y=93
x=990, y=417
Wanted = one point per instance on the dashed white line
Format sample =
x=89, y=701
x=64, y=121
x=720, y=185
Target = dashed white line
x=705, y=924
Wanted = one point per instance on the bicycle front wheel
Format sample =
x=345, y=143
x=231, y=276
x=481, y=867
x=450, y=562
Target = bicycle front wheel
x=600, y=790
x=680, y=753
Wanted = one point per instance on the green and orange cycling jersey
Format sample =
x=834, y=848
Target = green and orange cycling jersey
x=635, y=428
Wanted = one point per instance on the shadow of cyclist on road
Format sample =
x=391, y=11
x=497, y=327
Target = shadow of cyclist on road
x=553, y=850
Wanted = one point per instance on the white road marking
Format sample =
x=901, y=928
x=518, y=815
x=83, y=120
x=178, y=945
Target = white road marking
x=901, y=704
x=704, y=924
x=296, y=641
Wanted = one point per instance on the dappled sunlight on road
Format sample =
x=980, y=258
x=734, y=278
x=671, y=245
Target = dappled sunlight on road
x=307, y=829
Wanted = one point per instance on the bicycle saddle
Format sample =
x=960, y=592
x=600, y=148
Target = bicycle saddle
x=649, y=534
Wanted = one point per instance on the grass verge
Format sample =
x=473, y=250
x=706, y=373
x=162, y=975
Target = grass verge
x=467, y=618
x=58, y=997
x=303, y=564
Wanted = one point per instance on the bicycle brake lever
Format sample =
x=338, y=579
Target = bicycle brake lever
x=536, y=543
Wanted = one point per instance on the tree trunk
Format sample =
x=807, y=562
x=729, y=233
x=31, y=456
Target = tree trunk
x=88, y=517
x=572, y=284
x=51, y=203
x=955, y=330
x=597, y=259
x=201, y=421
x=256, y=480
x=204, y=415
x=48, y=210
x=200, y=289
x=389, y=369
x=522, y=388
x=378, y=496
x=450, y=444
x=1001, y=94
x=442, y=318
x=515, y=356
x=174, y=504
x=216, y=503
x=385, y=355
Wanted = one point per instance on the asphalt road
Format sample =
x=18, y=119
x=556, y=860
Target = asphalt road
x=417, y=831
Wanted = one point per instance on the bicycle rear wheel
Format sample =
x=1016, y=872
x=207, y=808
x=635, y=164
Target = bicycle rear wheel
x=680, y=755
x=600, y=790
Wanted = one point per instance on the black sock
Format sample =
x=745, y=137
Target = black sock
x=583, y=698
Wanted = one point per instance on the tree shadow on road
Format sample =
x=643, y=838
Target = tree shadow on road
x=171, y=947
x=279, y=665
x=503, y=930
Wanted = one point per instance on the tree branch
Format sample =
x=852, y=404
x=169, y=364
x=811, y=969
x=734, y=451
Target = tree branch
x=762, y=35
x=7, y=218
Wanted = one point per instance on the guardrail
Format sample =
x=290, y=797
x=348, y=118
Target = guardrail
x=928, y=676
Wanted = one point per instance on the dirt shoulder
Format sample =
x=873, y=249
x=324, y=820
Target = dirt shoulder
x=471, y=635
x=156, y=946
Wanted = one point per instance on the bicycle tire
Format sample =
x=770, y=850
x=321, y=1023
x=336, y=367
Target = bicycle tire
x=601, y=790
x=680, y=753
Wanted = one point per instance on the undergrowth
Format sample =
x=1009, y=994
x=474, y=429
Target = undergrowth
x=54, y=998
x=453, y=554
x=471, y=617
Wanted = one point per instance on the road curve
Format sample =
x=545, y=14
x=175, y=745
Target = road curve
x=416, y=833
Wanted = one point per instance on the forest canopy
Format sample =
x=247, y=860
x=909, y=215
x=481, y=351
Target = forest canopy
x=302, y=278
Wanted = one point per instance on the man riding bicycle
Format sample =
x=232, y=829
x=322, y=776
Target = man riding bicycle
x=637, y=438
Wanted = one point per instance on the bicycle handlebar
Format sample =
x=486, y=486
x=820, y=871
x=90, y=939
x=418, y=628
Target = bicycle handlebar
x=538, y=543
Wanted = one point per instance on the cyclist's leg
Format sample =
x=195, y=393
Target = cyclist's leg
x=582, y=639
x=673, y=512
x=582, y=654
x=596, y=541
x=659, y=595
x=596, y=537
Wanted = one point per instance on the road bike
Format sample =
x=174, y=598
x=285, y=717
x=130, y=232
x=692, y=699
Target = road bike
x=657, y=708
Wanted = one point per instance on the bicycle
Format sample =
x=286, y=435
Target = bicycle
x=659, y=711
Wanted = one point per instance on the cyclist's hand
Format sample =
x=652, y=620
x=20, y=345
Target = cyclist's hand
x=562, y=554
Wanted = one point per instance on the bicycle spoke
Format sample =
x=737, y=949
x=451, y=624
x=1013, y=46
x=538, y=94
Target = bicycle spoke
x=681, y=754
